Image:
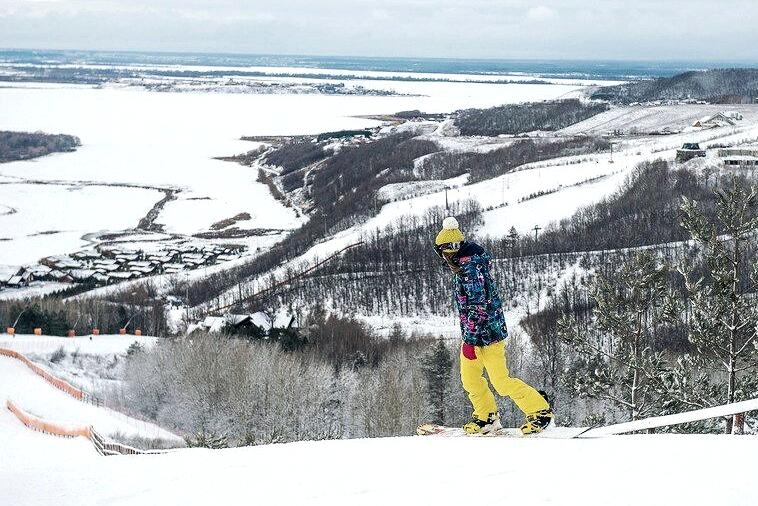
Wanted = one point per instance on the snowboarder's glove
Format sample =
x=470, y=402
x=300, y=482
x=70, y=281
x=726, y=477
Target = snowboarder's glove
x=468, y=351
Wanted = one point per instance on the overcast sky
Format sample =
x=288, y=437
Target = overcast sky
x=580, y=29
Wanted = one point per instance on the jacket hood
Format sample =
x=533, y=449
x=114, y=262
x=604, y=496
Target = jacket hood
x=471, y=249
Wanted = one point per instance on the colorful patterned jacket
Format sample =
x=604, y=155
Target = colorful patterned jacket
x=479, y=305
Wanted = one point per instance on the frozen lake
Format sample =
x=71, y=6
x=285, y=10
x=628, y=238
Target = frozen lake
x=168, y=140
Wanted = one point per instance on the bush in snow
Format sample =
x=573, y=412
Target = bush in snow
x=58, y=355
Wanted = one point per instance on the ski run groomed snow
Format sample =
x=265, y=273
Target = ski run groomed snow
x=420, y=470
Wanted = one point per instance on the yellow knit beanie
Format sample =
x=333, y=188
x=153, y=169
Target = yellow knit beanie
x=450, y=232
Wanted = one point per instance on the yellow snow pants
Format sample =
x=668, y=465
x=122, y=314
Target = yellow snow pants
x=492, y=358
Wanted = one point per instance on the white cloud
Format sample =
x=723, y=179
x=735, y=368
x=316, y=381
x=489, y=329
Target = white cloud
x=539, y=13
x=641, y=29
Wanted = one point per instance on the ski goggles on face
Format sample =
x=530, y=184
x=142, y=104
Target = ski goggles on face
x=448, y=247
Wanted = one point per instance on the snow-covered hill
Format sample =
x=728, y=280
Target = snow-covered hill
x=621, y=470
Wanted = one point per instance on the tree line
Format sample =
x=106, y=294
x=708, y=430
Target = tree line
x=515, y=119
x=26, y=145
x=56, y=316
x=717, y=86
x=483, y=166
x=344, y=382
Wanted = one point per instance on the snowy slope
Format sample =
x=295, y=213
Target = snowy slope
x=643, y=119
x=22, y=448
x=573, y=182
x=31, y=393
x=577, y=181
x=34, y=395
x=677, y=470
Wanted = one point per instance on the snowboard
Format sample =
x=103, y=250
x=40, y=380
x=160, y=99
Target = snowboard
x=552, y=432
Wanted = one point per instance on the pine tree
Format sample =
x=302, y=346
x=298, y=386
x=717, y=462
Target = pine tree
x=724, y=326
x=437, y=366
x=205, y=440
x=512, y=240
x=397, y=335
x=617, y=361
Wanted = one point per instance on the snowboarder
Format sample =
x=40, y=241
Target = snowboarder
x=484, y=333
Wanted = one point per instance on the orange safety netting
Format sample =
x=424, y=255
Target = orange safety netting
x=41, y=425
x=58, y=383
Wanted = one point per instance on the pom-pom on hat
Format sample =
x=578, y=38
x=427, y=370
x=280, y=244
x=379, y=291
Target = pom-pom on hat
x=450, y=233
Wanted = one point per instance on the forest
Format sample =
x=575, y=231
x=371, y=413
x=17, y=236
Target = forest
x=483, y=166
x=515, y=119
x=728, y=86
x=26, y=145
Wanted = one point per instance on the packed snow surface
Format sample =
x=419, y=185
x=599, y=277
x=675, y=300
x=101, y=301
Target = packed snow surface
x=423, y=470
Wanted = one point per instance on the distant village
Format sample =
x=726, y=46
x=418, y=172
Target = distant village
x=108, y=265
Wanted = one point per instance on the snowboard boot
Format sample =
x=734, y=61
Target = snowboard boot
x=477, y=426
x=537, y=422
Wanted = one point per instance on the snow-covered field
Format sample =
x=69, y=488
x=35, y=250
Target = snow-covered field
x=619, y=471
x=52, y=219
x=168, y=140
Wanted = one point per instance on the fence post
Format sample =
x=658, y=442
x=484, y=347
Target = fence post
x=738, y=424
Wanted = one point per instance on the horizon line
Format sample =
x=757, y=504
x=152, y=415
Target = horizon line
x=445, y=58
